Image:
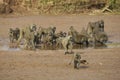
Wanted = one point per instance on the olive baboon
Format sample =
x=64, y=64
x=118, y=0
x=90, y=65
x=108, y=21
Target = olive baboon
x=94, y=27
x=28, y=34
x=67, y=44
x=47, y=36
x=77, y=60
x=14, y=34
x=79, y=39
x=96, y=33
x=100, y=37
x=59, y=37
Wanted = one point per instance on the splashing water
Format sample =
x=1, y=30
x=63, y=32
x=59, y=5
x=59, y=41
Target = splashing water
x=6, y=48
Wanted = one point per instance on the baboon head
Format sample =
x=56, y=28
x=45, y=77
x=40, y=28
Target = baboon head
x=101, y=25
x=54, y=29
x=33, y=27
x=71, y=27
x=10, y=30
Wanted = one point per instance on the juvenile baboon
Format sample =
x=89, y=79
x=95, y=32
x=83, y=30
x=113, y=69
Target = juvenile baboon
x=11, y=35
x=77, y=58
x=14, y=34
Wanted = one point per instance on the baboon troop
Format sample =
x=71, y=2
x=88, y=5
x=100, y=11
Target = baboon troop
x=47, y=38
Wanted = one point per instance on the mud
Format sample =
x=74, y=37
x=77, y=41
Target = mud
x=53, y=64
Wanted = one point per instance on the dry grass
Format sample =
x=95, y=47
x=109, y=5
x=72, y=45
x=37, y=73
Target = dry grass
x=58, y=7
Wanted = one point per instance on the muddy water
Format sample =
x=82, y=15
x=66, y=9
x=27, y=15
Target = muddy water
x=4, y=45
x=62, y=23
x=6, y=48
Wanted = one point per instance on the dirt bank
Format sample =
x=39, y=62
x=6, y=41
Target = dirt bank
x=53, y=65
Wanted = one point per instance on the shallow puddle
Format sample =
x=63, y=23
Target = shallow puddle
x=6, y=48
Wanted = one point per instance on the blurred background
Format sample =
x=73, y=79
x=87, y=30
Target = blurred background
x=59, y=7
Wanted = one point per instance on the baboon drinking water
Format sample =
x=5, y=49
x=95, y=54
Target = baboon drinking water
x=46, y=37
x=78, y=38
x=14, y=34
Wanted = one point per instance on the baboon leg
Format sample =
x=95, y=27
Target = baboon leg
x=75, y=64
x=32, y=44
x=66, y=51
x=70, y=47
x=45, y=46
x=94, y=42
x=78, y=65
x=26, y=44
x=42, y=46
x=65, y=47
